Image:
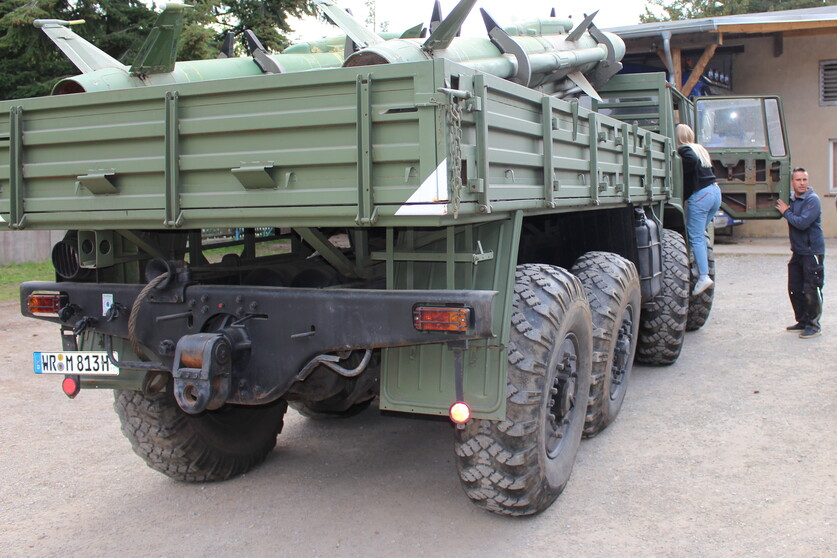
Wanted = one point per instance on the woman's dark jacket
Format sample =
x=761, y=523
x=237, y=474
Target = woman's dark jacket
x=695, y=175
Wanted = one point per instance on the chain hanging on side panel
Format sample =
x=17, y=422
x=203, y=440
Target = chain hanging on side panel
x=454, y=118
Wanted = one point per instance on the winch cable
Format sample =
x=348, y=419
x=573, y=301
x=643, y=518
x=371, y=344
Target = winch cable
x=132, y=320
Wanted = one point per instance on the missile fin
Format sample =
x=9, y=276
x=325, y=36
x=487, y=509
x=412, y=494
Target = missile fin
x=505, y=44
x=349, y=47
x=603, y=39
x=436, y=17
x=581, y=81
x=228, y=48
x=86, y=57
x=603, y=71
x=159, y=50
x=490, y=24
x=362, y=36
x=413, y=32
x=267, y=64
x=448, y=29
x=576, y=33
x=608, y=67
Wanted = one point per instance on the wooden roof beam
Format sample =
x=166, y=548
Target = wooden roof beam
x=699, y=68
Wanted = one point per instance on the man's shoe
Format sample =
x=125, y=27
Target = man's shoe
x=796, y=327
x=810, y=332
x=702, y=285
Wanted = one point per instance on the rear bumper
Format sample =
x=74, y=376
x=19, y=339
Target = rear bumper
x=283, y=328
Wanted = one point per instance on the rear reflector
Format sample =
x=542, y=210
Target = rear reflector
x=71, y=386
x=45, y=304
x=459, y=412
x=435, y=318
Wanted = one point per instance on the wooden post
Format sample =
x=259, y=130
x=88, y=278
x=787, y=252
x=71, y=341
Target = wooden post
x=677, y=62
x=697, y=71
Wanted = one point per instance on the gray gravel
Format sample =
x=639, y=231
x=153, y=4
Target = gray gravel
x=729, y=452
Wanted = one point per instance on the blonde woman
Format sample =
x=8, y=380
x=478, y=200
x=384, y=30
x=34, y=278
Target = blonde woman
x=703, y=198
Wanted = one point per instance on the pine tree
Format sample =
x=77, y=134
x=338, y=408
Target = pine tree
x=30, y=64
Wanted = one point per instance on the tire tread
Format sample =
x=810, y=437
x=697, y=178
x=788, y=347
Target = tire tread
x=663, y=325
x=500, y=461
x=171, y=442
x=610, y=282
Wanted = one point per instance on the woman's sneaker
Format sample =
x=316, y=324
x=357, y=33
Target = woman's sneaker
x=702, y=285
x=796, y=327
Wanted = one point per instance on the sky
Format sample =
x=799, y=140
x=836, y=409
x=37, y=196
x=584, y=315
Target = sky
x=403, y=14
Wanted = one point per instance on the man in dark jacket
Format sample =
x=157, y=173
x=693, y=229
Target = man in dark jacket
x=806, y=271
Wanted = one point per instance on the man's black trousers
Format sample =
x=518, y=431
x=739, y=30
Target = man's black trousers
x=806, y=276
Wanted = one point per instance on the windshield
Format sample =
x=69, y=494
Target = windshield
x=731, y=123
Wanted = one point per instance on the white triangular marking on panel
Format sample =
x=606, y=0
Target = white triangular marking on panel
x=431, y=197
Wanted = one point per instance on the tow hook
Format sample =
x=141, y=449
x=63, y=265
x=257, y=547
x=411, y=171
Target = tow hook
x=202, y=371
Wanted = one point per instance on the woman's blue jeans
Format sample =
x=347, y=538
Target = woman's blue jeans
x=700, y=210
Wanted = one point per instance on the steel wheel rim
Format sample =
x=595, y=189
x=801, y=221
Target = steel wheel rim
x=563, y=394
x=622, y=354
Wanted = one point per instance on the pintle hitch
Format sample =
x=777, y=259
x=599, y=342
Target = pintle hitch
x=202, y=371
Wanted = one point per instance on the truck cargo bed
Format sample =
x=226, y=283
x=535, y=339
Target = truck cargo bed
x=333, y=147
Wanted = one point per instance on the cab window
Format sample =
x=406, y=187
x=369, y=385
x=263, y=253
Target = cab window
x=731, y=123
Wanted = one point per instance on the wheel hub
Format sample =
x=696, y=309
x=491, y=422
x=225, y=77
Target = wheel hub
x=563, y=393
x=621, y=354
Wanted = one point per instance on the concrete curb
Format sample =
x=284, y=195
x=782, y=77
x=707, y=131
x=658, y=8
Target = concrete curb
x=777, y=246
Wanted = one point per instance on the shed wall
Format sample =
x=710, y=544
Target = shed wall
x=795, y=76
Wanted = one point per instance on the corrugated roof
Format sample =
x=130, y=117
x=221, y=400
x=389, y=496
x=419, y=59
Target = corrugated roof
x=808, y=18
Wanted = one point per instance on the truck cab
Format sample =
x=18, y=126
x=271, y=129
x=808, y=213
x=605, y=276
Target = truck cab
x=745, y=135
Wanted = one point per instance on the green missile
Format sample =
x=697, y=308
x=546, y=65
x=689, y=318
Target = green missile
x=155, y=63
x=198, y=70
x=539, y=54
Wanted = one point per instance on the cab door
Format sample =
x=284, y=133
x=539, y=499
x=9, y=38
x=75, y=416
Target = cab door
x=747, y=141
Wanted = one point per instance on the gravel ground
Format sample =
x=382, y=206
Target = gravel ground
x=729, y=452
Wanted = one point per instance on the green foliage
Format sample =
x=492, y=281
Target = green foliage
x=30, y=64
x=11, y=276
x=268, y=19
x=673, y=10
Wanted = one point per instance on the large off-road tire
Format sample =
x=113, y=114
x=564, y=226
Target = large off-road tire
x=612, y=286
x=663, y=323
x=519, y=466
x=700, y=305
x=211, y=446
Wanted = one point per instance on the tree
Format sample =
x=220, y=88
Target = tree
x=30, y=64
x=673, y=10
x=268, y=19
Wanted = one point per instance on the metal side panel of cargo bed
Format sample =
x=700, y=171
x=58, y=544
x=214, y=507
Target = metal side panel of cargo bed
x=199, y=154
x=343, y=147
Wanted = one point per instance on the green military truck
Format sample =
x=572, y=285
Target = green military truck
x=422, y=234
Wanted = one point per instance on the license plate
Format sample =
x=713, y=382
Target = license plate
x=90, y=363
